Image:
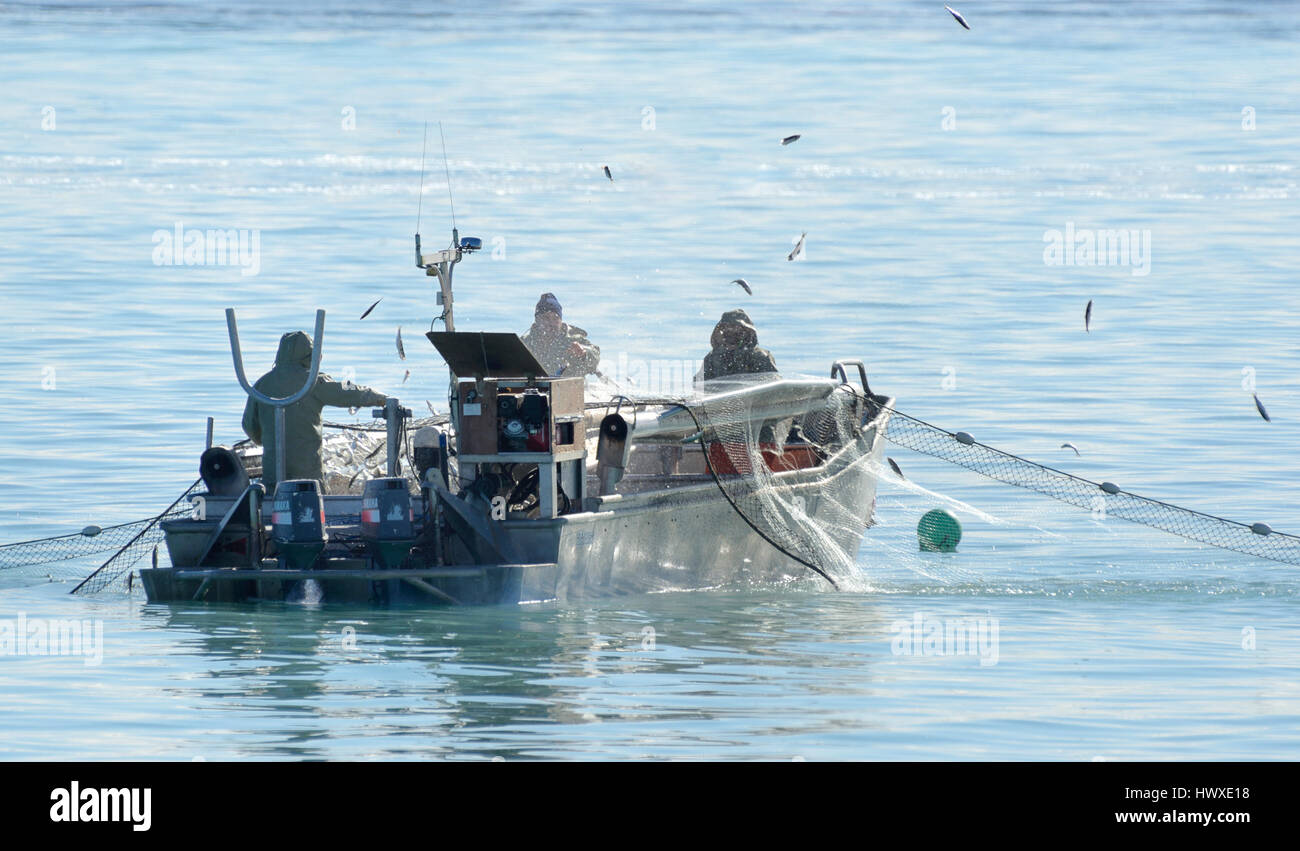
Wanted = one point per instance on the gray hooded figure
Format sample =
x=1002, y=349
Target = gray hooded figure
x=735, y=349
x=561, y=348
x=302, y=419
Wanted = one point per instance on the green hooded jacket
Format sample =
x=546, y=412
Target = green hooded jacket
x=302, y=419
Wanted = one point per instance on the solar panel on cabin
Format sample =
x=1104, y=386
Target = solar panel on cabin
x=480, y=353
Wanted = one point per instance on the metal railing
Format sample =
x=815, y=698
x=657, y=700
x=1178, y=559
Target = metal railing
x=318, y=342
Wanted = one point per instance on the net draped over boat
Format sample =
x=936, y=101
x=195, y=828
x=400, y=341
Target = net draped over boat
x=791, y=458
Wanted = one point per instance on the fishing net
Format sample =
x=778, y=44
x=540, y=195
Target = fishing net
x=791, y=458
x=354, y=453
x=64, y=547
x=351, y=456
x=128, y=541
x=117, y=570
x=1103, y=499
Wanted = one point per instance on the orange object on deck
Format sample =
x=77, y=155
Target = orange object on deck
x=795, y=457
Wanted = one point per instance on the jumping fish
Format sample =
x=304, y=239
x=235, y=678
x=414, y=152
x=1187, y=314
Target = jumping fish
x=957, y=16
x=372, y=307
x=1071, y=446
x=1087, y=315
x=401, y=350
x=744, y=285
x=1263, y=413
x=404, y=377
x=607, y=174
x=893, y=465
x=798, y=248
x=788, y=139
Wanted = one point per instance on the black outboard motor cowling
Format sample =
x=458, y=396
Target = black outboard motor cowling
x=298, y=522
x=388, y=520
x=386, y=512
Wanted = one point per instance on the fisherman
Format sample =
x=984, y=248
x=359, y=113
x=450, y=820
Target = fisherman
x=302, y=419
x=735, y=349
x=736, y=356
x=563, y=349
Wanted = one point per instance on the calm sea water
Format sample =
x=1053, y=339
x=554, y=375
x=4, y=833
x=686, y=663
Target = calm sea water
x=933, y=164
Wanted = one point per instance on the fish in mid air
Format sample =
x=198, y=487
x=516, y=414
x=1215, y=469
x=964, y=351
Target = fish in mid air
x=1071, y=446
x=957, y=16
x=893, y=465
x=404, y=377
x=798, y=247
x=1263, y=413
x=744, y=285
x=607, y=174
x=372, y=307
x=788, y=139
x=1087, y=315
x=401, y=350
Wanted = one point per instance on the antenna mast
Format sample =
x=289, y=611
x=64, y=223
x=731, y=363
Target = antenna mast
x=446, y=167
x=439, y=264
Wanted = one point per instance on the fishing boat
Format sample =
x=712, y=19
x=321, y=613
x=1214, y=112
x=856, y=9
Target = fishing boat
x=539, y=487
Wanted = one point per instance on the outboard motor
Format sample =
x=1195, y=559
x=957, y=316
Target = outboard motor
x=298, y=523
x=222, y=472
x=611, y=453
x=388, y=520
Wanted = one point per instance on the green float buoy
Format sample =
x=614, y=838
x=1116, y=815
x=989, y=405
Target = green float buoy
x=938, y=532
